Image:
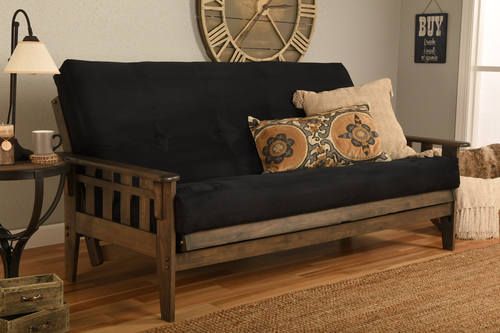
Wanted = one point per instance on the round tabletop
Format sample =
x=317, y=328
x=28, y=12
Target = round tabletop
x=28, y=170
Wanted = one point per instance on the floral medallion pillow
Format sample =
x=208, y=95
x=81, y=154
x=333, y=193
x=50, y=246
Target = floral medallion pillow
x=338, y=138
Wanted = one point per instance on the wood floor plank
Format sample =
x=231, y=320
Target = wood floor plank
x=118, y=297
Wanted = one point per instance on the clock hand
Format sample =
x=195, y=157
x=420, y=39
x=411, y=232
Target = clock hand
x=276, y=28
x=253, y=19
x=264, y=7
x=268, y=14
x=252, y=22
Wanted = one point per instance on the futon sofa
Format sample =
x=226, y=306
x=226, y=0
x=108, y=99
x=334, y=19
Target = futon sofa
x=163, y=163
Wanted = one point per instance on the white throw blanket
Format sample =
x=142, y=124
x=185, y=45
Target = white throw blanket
x=477, y=208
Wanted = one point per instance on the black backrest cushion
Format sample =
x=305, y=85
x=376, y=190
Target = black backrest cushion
x=189, y=118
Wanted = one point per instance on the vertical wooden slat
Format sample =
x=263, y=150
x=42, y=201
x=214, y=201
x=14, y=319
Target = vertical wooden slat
x=125, y=200
x=107, y=197
x=90, y=192
x=93, y=247
x=144, y=206
x=157, y=189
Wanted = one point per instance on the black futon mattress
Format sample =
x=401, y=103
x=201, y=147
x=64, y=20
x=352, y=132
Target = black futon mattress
x=223, y=202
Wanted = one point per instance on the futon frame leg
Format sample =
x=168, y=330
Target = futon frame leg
x=71, y=238
x=165, y=254
x=72, y=249
x=447, y=227
x=95, y=251
x=166, y=275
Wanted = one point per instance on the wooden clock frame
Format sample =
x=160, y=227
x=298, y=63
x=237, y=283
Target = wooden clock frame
x=218, y=39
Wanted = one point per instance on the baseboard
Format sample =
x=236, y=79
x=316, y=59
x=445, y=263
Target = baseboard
x=47, y=235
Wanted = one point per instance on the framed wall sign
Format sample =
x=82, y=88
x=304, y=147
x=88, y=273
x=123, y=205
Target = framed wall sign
x=431, y=31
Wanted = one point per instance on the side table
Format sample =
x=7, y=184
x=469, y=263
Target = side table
x=12, y=245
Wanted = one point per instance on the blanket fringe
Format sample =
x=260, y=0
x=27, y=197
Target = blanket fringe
x=477, y=223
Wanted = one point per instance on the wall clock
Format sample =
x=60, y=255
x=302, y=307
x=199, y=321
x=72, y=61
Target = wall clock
x=256, y=30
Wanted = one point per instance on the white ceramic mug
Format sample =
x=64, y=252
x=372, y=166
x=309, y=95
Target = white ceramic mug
x=43, y=142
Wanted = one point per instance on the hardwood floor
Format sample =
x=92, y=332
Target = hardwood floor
x=121, y=296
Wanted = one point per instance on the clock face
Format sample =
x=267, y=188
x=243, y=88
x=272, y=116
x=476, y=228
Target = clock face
x=256, y=30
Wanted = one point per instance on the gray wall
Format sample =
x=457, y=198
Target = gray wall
x=362, y=34
x=427, y=93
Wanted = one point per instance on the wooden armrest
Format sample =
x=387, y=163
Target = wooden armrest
x=152, y=174
x=450, y=148
x=440, y=142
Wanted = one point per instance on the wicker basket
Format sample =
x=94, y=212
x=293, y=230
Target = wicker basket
x=45, y=159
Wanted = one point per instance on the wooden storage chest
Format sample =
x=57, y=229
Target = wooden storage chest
x=44, y=321
x=30, y=294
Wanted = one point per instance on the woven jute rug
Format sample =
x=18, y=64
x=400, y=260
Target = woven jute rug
x=455, y=293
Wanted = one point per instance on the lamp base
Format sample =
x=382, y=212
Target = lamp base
x=20, y=154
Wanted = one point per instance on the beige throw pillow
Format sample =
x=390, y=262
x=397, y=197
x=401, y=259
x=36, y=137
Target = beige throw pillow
x=378, y=95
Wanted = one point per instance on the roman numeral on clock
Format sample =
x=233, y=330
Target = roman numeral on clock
x=300, y=42
x=218, y=35
x=307, y=10
x=238, y=56
x=208, y=5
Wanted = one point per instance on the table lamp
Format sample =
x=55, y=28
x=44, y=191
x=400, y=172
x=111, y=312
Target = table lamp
x=30, y=56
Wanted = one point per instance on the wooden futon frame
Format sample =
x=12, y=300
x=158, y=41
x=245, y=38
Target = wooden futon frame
x=153, y=188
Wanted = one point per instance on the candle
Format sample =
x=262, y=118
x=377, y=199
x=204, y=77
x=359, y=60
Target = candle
x=6, y=131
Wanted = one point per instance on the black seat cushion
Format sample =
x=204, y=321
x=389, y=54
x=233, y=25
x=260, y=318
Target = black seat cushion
x=223, y=202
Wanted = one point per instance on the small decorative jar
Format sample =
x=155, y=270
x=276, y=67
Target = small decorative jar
x=6, y=146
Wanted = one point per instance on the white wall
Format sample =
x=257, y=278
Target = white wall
x=427, y=93
x=363, y=34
